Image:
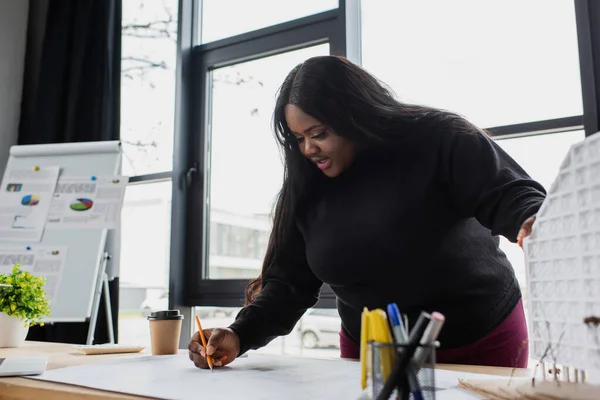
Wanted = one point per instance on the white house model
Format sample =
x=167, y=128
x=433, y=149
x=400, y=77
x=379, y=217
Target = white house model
x=563, y=265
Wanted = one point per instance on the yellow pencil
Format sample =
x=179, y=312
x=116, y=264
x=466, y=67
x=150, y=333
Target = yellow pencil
x=209, y=359
x=364, y=340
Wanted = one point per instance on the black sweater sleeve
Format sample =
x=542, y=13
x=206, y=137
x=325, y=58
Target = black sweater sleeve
x=486, y=183
x=289, y=289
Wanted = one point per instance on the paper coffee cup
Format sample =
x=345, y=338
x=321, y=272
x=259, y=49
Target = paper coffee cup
x=165, y=327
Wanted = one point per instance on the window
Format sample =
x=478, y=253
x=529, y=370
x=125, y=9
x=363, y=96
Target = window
x=541, y=155
x=149, y=46
x=149, y=49
x=315, y=335
x=238, y=241
x=324, y=312
x=541, y=165
x=144, y=261
x=246, y=171
x=225, y=18
x=496, y=63
x=233, y=84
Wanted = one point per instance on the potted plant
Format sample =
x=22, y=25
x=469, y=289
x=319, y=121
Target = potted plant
x=23, y=303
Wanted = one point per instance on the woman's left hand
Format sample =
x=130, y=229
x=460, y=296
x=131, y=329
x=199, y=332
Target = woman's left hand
x=525, y=230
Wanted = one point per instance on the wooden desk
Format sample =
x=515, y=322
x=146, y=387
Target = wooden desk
x=62, y=355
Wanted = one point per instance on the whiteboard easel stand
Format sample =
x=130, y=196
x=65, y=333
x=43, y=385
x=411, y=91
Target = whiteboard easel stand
x=101, y=282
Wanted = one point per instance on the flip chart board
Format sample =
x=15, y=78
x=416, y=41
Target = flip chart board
x=85, y=247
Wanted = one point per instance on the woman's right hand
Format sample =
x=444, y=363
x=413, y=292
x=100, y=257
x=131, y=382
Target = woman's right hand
x=222, y=344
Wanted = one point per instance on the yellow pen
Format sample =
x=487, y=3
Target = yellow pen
x=381, y=333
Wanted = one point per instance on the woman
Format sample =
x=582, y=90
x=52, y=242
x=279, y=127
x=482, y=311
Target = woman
x=387, y=202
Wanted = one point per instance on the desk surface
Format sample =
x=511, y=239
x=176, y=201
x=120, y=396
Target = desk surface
x=61, y=355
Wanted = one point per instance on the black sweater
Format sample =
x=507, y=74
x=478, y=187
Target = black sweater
x=415, y=224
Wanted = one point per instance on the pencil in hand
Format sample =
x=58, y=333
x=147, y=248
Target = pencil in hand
x=209, y=359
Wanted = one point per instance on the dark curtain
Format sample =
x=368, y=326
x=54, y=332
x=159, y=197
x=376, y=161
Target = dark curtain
x=72, y=94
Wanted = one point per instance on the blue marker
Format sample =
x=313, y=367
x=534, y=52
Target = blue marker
x=93, y=178
x=396, y=322
x=402, y=338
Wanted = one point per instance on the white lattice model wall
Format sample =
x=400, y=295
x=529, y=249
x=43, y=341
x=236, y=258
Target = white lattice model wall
x=563, y=263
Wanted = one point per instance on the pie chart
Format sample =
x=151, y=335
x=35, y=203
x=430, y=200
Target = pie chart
x=30, y=200
x=81, y=204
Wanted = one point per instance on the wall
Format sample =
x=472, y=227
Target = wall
x=13, y=39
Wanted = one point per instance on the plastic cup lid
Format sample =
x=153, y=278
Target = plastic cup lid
x=166, y=314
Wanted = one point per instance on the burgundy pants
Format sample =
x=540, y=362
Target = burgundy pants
x=505, y=346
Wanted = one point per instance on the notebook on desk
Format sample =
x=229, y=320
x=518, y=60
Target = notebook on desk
x=22, y=366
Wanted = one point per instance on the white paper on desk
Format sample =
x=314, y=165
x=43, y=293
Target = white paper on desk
x=83, y=203
x=25, y=200
x=45, y=261
x=258, y=377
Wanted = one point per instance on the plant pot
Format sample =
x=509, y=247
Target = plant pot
x=13, y=331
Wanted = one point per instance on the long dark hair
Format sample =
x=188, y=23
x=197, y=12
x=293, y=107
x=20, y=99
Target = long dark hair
x=353, y=103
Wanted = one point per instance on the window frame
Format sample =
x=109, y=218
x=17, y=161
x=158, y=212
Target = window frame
x=189, y=270
x=587, y=17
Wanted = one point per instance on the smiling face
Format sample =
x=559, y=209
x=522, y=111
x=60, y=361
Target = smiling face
x=330, y=152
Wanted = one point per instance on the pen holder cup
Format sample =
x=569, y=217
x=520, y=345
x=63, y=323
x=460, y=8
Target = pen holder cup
x=418, y=380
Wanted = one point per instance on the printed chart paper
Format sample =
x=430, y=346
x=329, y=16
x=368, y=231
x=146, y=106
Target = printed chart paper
x=45, y=261
x=83, y=203
x=25, y=200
